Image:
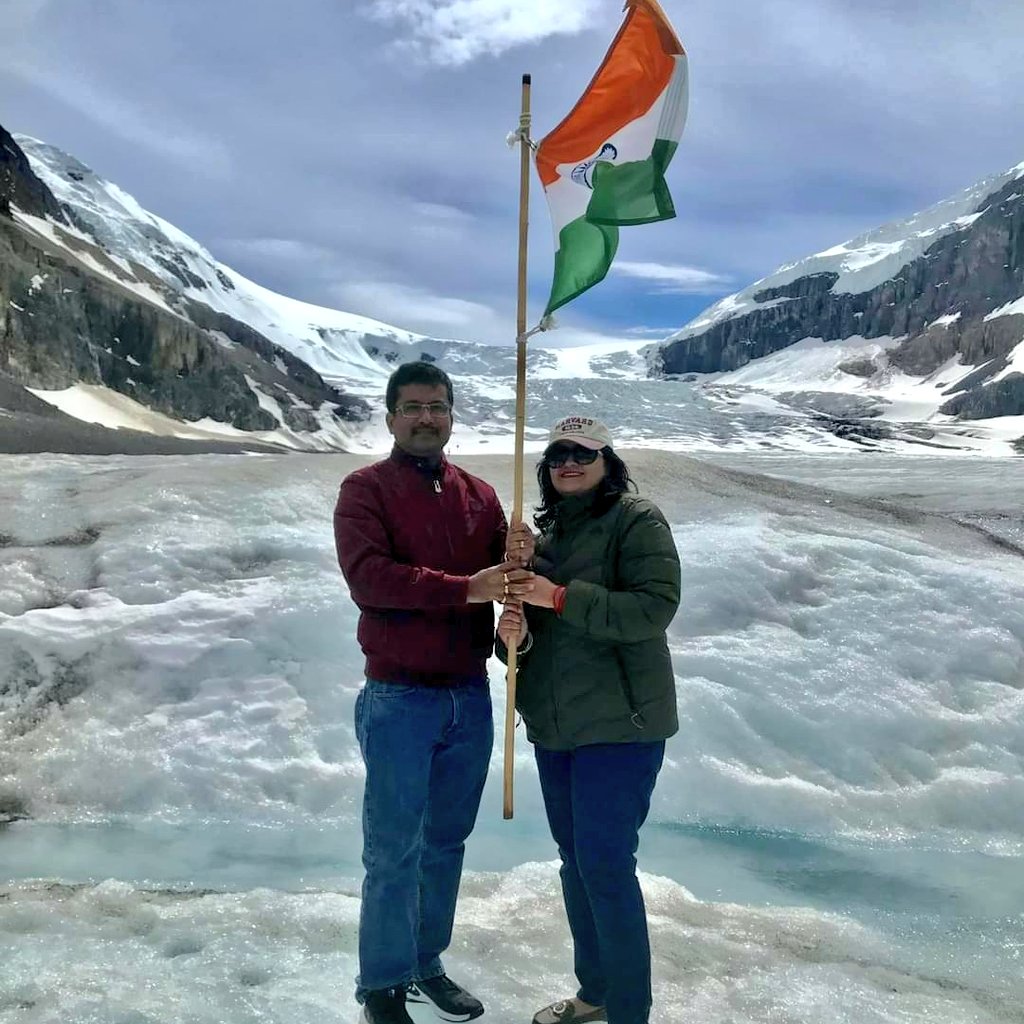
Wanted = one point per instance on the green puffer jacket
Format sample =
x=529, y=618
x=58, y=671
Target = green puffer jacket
x=601, y=672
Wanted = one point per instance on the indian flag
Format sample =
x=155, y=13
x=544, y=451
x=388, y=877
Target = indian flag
x=604, y=165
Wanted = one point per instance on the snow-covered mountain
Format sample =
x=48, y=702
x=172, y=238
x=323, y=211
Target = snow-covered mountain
x=70, y=211
x=103, y=326
x=920, y=320
x=911, y=334
x=328, y=340
x=354, y=350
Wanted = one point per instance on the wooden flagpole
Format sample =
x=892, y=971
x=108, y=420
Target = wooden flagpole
x=517, y=500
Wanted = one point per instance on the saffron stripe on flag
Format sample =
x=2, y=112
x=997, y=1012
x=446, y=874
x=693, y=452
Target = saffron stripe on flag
x=604, y=166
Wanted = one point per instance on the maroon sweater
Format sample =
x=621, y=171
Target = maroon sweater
x=409, y=536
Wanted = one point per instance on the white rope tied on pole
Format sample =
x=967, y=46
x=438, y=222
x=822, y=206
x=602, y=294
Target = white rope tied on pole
x=521, y=134
x=547, y=323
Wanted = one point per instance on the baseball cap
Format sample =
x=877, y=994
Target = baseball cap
x=581, y=430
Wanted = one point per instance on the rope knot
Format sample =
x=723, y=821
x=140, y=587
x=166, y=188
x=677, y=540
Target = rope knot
x=521, y=134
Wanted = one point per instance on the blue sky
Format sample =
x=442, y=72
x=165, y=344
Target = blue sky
x=352, y=152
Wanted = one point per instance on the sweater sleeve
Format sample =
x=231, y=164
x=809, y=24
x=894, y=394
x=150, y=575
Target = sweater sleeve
x=500, y=533
x=374, y=577
x=647, y=589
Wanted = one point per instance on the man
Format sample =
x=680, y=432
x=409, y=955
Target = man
x=423, y=546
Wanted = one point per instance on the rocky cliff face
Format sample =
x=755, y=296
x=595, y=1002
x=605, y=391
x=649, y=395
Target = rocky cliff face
x=71, y=313
x=19, y=186
x=939, y=304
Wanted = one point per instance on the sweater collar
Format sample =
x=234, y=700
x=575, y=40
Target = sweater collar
x=430, y=466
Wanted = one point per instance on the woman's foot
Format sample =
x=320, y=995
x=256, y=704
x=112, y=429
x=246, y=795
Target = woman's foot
x=569, y=1011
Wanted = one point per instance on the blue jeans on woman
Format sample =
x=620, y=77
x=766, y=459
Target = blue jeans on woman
x=596, y=798
x=426, y=751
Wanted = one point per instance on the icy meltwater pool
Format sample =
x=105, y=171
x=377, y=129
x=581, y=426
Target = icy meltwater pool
x=793, y=925
x=836, y=836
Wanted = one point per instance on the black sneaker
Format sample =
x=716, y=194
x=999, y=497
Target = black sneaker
x=448, y=1000
x=385, y=1006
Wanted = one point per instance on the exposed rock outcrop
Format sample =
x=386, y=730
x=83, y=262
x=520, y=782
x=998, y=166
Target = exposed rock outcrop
x=936, y=305
x=70, y=313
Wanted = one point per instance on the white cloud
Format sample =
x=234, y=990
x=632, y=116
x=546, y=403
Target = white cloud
x=442, y=212
x=291, y=249
x=650, y=332
x=453, y=32
x=567, y=335
x=675, y=278
x=444, y=316
x=423, y=311
x=438, y=224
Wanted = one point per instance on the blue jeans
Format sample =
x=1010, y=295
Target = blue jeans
x=426, y=752
x=597, y=797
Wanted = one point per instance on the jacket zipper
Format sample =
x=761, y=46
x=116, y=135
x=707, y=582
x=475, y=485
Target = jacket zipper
x=439, y=490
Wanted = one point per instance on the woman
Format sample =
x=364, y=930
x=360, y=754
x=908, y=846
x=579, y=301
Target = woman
x=597, y=693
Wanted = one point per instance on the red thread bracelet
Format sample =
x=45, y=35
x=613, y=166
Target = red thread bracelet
x=558, y=600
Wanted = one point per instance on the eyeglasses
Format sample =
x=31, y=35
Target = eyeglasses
x=414, y=410
x=562, y=454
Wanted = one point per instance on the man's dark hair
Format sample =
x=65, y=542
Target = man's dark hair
x=615, y=483
x=420, y=372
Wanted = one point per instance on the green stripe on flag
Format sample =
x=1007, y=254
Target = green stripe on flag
x=585, y=252
x=635, y=192
x=624, y=194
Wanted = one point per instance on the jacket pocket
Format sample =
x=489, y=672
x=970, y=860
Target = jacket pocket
x=635, y=715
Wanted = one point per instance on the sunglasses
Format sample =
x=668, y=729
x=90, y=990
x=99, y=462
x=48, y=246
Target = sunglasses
x=563, y=453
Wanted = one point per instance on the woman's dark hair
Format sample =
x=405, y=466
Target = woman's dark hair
x=615, y=483
x=420, y=372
